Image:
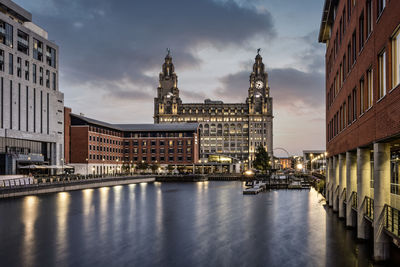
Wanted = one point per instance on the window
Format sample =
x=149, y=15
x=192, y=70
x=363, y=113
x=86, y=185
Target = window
x=6, y=34
x=27, y=70
x=51, y=56
x=361, y=31
x=349, y=57
x=354, y=46
x=54, y=81
x=354, y=96
x=41, y=76
x=47, y=78
x=19, y=66
x=396, y=58
x=349, y=111
x=349, y=9
x=23, y=42
x=37, y=50
x=370, y=87
x=1, y=60
x=341, y=75
x=382, y=74
x=381, y=6
x=34, y=73
x=362, y=96
x=369, y=17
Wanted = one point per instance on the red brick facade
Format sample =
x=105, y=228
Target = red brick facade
x=348, y=61
x=94, y=142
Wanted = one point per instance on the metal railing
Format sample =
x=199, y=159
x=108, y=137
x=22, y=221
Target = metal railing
x=392, y=220
x=354, y=200
x=369, y=208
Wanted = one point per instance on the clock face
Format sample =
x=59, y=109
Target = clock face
x=259, y=84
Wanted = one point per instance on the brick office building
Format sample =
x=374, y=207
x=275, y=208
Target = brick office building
x=96, y=147
x=363, y=113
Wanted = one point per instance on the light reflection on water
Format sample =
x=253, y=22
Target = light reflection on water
x=63, y=200
x=29, y=216
x=172, y=224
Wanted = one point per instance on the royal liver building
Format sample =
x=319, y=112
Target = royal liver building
x=230, y=129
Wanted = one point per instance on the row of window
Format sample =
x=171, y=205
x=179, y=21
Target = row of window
x=104, y=158
x=36, y=77
x=105, y=149
x=106, y=140
x=160, y=143
x=134, y=143
x=347, y=112
x=159, y=151
x=137, y=159
x=7, y=38
x=218, y=111
x=367, y=97
x=137, y=134
x=104, y=131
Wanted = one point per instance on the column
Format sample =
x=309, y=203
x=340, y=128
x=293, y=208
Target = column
x=331, y=181
x=351, y=185
x=363, y=187
x=327, y=181
x=335, y=183
x=381, y=197
x=342, y=184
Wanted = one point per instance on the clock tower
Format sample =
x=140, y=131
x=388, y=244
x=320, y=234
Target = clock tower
x=260, y=109
x=167, y=101
x=259, y=89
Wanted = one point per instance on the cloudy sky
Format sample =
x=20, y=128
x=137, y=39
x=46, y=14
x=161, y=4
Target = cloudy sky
x=111, y=53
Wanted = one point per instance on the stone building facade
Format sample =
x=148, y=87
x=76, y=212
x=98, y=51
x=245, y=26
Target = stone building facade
x=231, y=129
x=31, y=105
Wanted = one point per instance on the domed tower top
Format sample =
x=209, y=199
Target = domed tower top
x=258, y=67
x=168, y=67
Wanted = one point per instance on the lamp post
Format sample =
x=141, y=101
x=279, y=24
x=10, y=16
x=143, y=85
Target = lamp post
x=87, y=167
x=116, y=167
x=62, y=162
x=102, y=169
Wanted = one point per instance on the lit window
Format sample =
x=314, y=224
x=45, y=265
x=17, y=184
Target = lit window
x=396, y=58
x=370, y=84
x=382, y=74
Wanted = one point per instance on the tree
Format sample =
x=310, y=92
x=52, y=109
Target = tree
x=170, y=168
x=142, y=166
x=154, y=167
x=262, y=161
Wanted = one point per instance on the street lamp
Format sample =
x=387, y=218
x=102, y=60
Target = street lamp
x=62, y=162
x=116, y=166
x=87, y=167
x=102, y=170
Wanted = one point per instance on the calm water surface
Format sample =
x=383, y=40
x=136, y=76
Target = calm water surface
x=171, y=224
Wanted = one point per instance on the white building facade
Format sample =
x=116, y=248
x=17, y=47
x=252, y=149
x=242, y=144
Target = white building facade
x=31, y=105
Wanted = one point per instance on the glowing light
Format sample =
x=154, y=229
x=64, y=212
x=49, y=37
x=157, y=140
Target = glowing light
x=249, y=172
x=299, y=166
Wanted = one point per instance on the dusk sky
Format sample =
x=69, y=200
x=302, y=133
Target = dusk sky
x=111, y=52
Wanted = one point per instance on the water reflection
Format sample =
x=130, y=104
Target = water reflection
x=62, y=207
x=29, y=216
x=171, y=224
x=104, y=216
